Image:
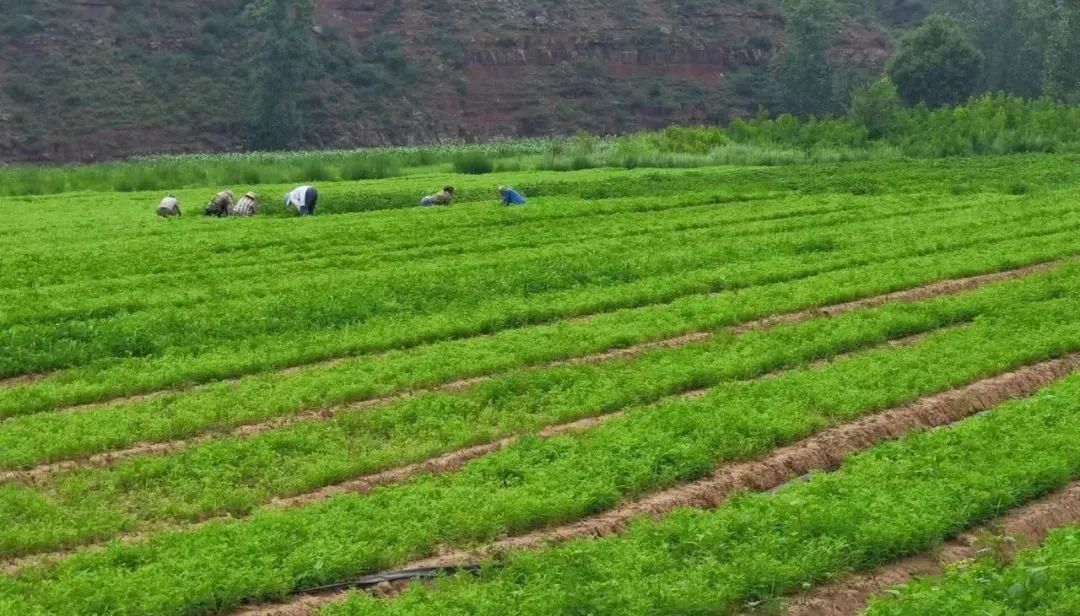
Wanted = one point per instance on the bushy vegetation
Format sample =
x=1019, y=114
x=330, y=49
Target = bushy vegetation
x=878, y=128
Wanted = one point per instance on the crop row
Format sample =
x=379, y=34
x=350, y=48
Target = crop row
x=959, y=174
x=259, y=398
x=899, y=498
x=1041, y=582
x=180, y=371
x=537, y=482
x=126, y=292
x=426, y=289
x=129, y=225
x=394, y=331
x=342, y=249
x=277, y=242
x=234, y=475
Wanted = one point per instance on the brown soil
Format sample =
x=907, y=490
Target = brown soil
x=825, y=450
x=442, y=464
x=43, y=472
x=22, y=379
x=1024, y=527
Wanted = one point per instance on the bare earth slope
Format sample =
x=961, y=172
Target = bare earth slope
x=100, y=79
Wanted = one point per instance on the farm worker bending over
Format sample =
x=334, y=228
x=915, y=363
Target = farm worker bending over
x=445, y=197
x=303, y=198
x=511, y=196
x=221, y=204
x=169, y=207
x=247, y=206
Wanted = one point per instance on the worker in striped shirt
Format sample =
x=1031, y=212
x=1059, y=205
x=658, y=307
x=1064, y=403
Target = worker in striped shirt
x=248, y=205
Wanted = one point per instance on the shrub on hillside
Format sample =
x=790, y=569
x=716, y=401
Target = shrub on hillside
x=473, y=163
x=876, y=106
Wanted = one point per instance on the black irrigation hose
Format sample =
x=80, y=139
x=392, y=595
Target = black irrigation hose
x=371, y=581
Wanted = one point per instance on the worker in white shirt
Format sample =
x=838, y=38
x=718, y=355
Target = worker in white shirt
x=303, y=198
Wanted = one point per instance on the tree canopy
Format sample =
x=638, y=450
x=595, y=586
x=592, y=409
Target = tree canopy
x=937, y=64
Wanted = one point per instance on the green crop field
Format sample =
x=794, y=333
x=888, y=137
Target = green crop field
x=701, y=390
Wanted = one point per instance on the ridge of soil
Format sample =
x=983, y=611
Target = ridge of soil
x=21, y=379
x=1024, y=527
x=823, y=451
x=42, y=472
x=934, y=289
x=444, y=463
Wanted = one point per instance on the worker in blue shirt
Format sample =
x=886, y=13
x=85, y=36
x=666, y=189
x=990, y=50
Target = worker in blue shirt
x=511, y=196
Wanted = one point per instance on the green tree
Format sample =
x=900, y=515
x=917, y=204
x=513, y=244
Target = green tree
x=802, y=72
x=1060, y=78
x=1012, y=37
x=937, y=64
x=283, y=54
x=876, y=106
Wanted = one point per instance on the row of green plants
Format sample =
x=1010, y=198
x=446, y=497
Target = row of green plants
x=550, y=481
x=335, y=298
x=34, y=255
x=399, y=306
x=234, y=475
x=958, y=176
x=897, y=499
x=37, y=264
x=120, y=286
x=879, y=129
x=1042, y=582
x=261, y=397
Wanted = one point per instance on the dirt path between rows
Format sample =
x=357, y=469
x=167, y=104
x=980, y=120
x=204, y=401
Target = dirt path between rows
x=1026, y=527
x=823, y=451
x=945, y=287
x=22, y=379
x=19, y=380
x=445, y=463
x=42, y=473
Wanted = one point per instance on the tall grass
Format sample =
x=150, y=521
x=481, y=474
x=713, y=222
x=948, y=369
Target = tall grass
x=989, y=125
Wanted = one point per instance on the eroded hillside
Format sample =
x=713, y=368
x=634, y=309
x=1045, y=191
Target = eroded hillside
x=99, y=79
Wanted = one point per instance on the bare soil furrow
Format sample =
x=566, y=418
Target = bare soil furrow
x=444, y=463
x=934, y=289
x=42, y=472
x=22, y=379
x=823, y=451
x=1024, y=527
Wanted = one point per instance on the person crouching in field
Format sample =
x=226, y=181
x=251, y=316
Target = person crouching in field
x=221, y=204
x=444, y=197
x=169, y=207
x=304, y=199
x=248, y=205
x=511, y=196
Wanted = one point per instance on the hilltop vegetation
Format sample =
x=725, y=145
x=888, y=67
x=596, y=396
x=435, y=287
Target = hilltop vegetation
x=83, y=82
